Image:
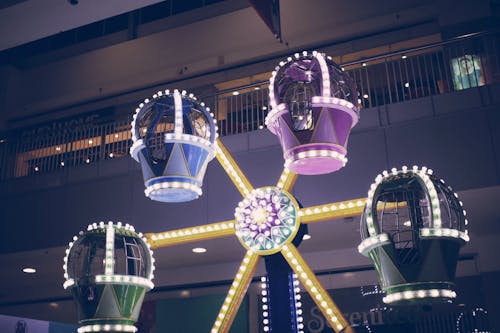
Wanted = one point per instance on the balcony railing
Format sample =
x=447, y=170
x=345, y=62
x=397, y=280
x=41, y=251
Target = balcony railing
x=438, y=68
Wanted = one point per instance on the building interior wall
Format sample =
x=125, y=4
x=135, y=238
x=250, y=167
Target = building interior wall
x=456, y=134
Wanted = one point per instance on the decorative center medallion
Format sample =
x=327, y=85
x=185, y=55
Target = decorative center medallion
x=266, y=220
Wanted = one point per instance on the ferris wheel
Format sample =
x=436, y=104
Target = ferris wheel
x=314, y=106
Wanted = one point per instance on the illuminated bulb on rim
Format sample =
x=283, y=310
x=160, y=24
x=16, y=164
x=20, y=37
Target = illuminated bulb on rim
x=29, y=270
x=199, y=250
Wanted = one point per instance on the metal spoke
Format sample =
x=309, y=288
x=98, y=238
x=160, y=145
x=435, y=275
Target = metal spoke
x=332, y=211
x=233, y=170
x=318, y=294
x=287, y=180
x=187, y=235
x=236, y=293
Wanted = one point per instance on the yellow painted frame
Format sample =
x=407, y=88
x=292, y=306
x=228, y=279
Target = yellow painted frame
x=247, y=268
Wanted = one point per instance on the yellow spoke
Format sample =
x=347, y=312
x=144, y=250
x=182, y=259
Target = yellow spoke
x=314, y=288
x=232, y=169
x=332, y=211
x=287, y=179
x=186, y=235
x=340, y=209
x=236, y=293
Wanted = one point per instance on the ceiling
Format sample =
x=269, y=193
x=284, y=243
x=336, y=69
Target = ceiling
x=34, y=19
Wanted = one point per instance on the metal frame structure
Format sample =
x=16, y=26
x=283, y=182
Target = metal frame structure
x=249, y=263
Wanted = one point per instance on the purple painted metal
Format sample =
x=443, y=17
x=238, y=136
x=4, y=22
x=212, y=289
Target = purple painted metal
x=314, y=105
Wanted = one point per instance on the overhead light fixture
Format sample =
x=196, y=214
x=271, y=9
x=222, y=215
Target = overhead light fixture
x=365, y=96
x=364, y=64
x=236, y=93
x=403, y=57
x=257, y=88
x=199, y=250
x=54, y=305
x=407, y=84
x=306, y=237
x=407, y=223
x=29, y=270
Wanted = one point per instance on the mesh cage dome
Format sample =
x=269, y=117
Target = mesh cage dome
x=313, y=108
x=109, y=268
x=174, y=139
x=412, y=228
x=312, y=74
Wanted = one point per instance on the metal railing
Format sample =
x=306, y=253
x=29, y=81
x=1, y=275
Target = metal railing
x=241, y=109
x=466, y=62
x=438, y=68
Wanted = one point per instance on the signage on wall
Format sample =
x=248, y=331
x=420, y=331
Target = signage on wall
x=364, y=309
x=467, y=72
x=69, y=125
x=359, y=309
